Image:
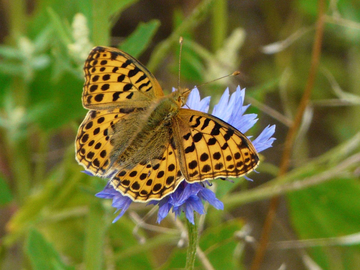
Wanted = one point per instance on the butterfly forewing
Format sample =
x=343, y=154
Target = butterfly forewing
x=211, y=148
x=115, y=79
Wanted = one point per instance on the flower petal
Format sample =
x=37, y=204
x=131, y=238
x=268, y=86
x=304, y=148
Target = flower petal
x=264, y=140
x=194, y=101
x=119, y=201
x=208, y=195
x=220, y=110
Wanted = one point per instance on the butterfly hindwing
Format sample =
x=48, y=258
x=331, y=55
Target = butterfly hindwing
x=115, y=79
x=211, y=148
x=150, y=180
x=93, y=141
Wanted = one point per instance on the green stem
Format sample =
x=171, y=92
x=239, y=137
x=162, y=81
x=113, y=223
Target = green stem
x=100, y=23
x=19, y=149
x=219, y=27
x=17, y=17
x=95, y=235
x=40, y=165
x=21, y=169
x=19, y=152
x=193, y=241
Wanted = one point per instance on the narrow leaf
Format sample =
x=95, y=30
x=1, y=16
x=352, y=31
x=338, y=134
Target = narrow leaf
x=42, y=254
x=139, y=40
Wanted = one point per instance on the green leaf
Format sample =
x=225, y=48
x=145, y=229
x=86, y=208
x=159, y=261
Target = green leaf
x=42, y=254
x=307, y=7
x=5, y=193
x=64, y=99
x=328, y=210
x=102, y=14
x=139, y=40
x=62, y=30
x=13, y=53
x=115, y=8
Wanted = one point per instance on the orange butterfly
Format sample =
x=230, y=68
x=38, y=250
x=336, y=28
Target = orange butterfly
x=145, y=141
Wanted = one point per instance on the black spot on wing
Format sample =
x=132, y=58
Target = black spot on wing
x=143, y=77
x=113, y=55
x=133, y=72
x=206, y=123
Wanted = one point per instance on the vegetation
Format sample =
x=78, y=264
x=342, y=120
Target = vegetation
x=49, y=216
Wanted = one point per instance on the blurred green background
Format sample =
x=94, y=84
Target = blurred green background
x=49, y=216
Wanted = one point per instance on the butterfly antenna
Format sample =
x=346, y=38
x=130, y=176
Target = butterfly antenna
x=235, y=73
x=181, y=44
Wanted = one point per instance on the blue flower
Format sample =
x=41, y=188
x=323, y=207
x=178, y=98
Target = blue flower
x=119, y=201
x=187, y=198
x=190, y=197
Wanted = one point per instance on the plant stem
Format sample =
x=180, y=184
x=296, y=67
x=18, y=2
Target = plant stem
x=100, y=23
x=290, y=138
x=40, y=164
x=17, y=18
x=19, y=152
x=193, y=241
x=219, y=27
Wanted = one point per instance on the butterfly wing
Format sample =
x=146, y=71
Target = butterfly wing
x=116, y=86
x=211, y=148
x=150, y=180
x=115, y=79
x=93, y=142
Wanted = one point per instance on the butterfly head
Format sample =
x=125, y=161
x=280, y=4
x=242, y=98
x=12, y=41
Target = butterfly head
x=181, y=96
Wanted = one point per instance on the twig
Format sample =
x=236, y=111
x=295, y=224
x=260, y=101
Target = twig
x=274, y=203
x=203, y=259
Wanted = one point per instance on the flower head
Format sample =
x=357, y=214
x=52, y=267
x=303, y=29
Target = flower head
x=190, y=197
x=187, y=198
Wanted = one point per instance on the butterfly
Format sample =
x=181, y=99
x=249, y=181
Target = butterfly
x=143, y=140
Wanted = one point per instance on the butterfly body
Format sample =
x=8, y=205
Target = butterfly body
x=141, y=135
x=144, y=141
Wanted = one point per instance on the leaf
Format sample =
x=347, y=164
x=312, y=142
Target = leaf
x=5, y=193
x=42, y=254
x=328, y=210
x=8, y=52
x=64, y=99
x=115, y=8
x=139, y=40
x=62, y=30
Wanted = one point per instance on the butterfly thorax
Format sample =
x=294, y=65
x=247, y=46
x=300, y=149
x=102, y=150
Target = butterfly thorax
x=141, y=135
